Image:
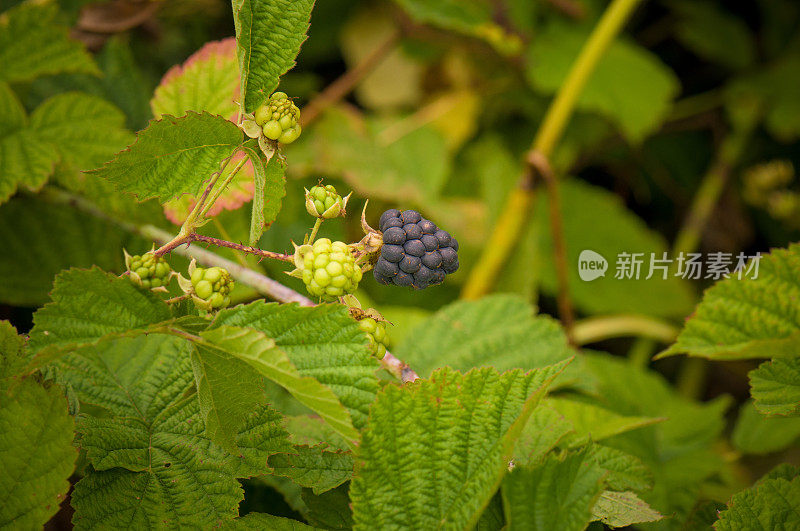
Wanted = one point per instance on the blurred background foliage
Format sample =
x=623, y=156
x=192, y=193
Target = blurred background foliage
x=440, y=122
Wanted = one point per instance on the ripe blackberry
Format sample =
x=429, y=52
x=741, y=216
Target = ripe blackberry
x=415, y=252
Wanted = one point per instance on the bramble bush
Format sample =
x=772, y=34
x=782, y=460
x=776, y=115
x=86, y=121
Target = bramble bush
x=223, y=335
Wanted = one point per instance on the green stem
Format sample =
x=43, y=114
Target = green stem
x=640, y=353
x=225, y=183
x=595, y=329
x=317, y=225
x=694, y=105
x=517, y=210
x=711, y=187
x=188, y=224
x=560, y=111
x=692, y=373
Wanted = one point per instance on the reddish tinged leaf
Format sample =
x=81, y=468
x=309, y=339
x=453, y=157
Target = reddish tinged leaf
x=207, y=81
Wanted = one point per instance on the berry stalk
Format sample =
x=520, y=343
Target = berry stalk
x=517, y=210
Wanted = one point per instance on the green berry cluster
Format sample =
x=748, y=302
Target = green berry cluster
x=376, y=333
x=212, y=285
x=152, y=271
x=278, y=118
x=329, y=270
x=322, y=201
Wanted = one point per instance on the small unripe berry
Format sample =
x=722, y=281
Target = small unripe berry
x=329, y=270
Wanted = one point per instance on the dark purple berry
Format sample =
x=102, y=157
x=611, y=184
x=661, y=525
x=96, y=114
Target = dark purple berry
x=403, y=279
x=392, y=253
x=413, y=232
x=381, y=279
x=395, y=235
x=454, y=243
x=450, y=268
x=414, y=248
x=424, y=276
x=432, y=259
x=443, y=237
x=391, y=222
x=430, y=242
x=386, y=268
x=389, y=214
x=427, y=226
x=440, y=274
x=411, y=216
x=449, y=255
x=410, y=264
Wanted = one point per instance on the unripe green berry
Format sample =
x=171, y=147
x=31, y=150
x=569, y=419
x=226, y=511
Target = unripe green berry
x=329, y=270
x=376, y=335
x=148, y=270
x=278, y=117
x=324, y=202
x=272, y=130
x=212, y=285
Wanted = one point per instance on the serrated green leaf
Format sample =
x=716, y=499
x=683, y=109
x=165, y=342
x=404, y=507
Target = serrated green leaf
x=775, y=387
x=33, y=43
x=756, y=434
x=269, y=36
x=770, y=504
x=152, y=464
x=596, y=219
x=135, y=377
x=11, y=356
x=680, y=452
x=541, y=433
x=323, y=342
x=449, y=14
x=173, y=156
x=623, y=471
x=260, y=352
x=630, y=85
x=259, y=521
x=24, y=158
x=228, y=389
x=311, y=430
x=314, y=467
x=592, y=422
x=207, y=81
x=12, y=113
x=620, y=509
x=270, y=188
x=748, y=317
x=470, y=17
x=36, y=454
x=88, y=304
x=329, y=510
x=556, y=494
x=714, y=33
x=85, y=129
x=499, y=330
x=435, y=451
x=45, y=238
